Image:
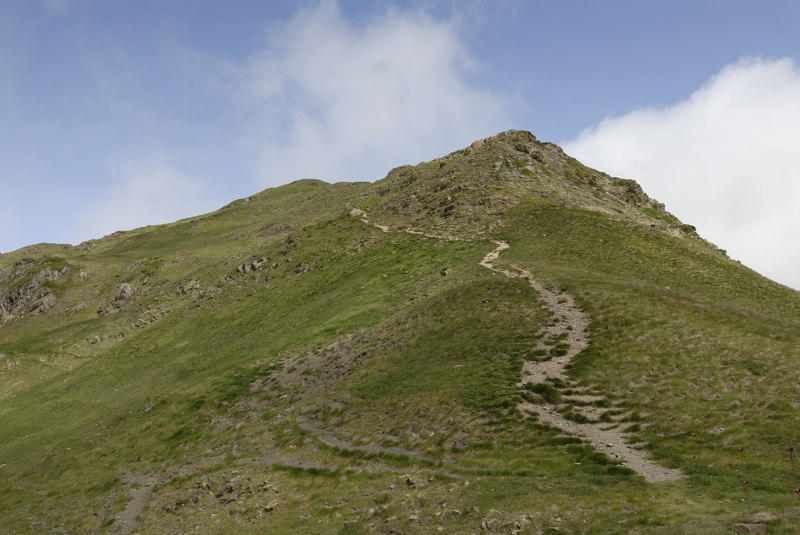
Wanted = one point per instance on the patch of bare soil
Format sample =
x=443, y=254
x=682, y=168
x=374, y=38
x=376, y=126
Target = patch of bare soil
x=141, y=487
x=313, y=373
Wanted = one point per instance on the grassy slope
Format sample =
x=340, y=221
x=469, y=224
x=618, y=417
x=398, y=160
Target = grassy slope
x=690, y=340
x=357, y=332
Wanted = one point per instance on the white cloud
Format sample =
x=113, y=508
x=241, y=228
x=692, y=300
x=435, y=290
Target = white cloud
x=727, y=160
x=146, y=191
x=338, y=101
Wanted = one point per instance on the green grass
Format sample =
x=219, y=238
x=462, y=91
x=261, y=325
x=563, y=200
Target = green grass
x=698, y=344
x=209, y=374
x=548, y=392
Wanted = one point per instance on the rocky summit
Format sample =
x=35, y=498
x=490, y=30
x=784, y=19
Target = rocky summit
x=501, y=340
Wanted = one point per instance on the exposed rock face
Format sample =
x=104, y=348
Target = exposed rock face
x=252, y=265
x=494, y=174
x=122, y=294
x=24, y=288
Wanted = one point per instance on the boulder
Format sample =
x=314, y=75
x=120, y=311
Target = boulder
x=355, y=212
x=122, y=294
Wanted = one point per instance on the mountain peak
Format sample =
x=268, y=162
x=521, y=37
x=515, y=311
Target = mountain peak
x=279, y=359
x=492, y=175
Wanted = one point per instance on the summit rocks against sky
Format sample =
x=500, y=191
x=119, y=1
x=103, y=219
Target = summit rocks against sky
x=118, y=115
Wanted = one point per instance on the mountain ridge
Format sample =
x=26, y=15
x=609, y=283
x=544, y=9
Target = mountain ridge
x=347, y=358
x=517, y=164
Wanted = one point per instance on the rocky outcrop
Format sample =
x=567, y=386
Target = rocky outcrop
x=469, y=187
x=122, y=295
x=252, y=265
x=26, y=287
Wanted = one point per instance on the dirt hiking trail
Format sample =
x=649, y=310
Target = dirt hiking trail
x=567, y=330
x=570, y=326
x=141, y=487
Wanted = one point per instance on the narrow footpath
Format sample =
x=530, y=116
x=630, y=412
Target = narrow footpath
x=570, y=326
x=141, y=487
x=569, y=329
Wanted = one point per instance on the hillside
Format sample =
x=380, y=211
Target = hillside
x=500, y=340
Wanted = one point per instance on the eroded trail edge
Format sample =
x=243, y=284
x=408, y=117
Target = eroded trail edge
x=568, y=329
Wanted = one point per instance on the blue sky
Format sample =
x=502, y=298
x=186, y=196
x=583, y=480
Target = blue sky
x=116, y=114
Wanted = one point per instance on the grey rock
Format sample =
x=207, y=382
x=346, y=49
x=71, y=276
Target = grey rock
x=189, y=286
x=18, y=298
x=355, y=212
x=122, y=295
x=252, y=265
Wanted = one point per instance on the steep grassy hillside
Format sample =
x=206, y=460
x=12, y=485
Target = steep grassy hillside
x=326, y=358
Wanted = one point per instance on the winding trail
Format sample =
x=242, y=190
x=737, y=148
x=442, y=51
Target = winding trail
x=329, y=439
x=438, y=465
x=569, y=326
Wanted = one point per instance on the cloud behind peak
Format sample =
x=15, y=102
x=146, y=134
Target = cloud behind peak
x=725, y=159
x=339, y=100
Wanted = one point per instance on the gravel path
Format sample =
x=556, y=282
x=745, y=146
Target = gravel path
x=608, y=441
x=571, y=325
x=141, y=489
